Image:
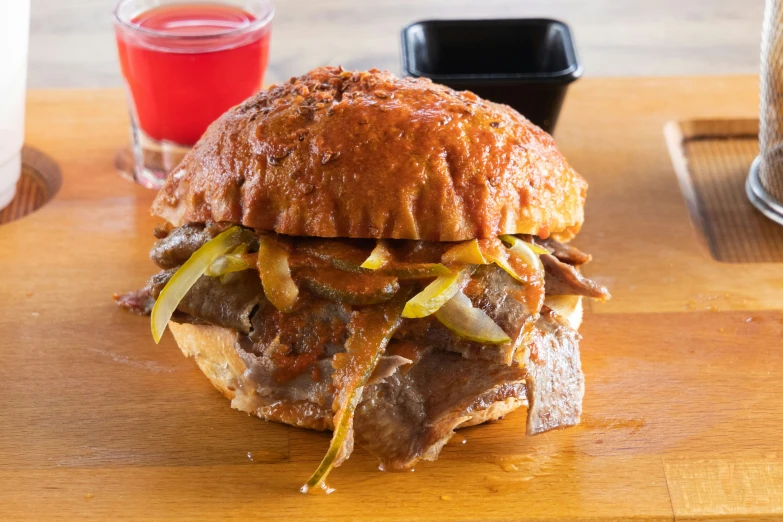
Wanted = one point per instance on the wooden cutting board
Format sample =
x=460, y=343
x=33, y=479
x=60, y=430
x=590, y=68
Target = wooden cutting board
x=684, y=366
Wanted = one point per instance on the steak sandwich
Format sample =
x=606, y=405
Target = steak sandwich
x=384, y=258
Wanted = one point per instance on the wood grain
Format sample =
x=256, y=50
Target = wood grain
x=733, y=488
x=683, y=366
x=72, y=43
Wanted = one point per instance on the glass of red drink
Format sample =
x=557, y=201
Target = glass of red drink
x=185, y=63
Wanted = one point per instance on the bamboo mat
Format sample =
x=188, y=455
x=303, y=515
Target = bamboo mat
x=712, y=159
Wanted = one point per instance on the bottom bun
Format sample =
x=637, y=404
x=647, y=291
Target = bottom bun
x=568, y=307
x=214, y=349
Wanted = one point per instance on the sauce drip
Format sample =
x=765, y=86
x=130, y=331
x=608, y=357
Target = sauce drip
x=370, y=329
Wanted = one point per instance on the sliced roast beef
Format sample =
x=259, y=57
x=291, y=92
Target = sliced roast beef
x=177, y=247
x=555, y=384
x=138, y=301
x=430, y=381
x=209, y=301
x=142, y=301
x=564, y=252
x=228, y=304
x=289, y=356
x=411, y=415
x=387, y=366
x=313, y=386
x=309, y=395
x=564, y=279
x=407, y=416
x=413, y=411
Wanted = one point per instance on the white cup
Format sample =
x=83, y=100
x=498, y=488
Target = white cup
x=14, y=33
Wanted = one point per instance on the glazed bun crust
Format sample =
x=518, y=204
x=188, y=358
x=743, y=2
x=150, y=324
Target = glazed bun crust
x=366, y=154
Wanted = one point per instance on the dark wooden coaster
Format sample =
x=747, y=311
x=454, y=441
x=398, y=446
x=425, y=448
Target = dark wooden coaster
x=38, y=183
x=712, y=159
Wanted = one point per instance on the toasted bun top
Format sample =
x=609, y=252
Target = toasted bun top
x=366, y=154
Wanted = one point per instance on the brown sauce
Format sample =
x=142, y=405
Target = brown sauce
x=302, y=341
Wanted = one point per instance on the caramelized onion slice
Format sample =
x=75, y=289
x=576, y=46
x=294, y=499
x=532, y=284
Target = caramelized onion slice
x=276, y=279
x=379, y=256
x=465, y=253
x=187, y=275
x=461, y=317
x=525, y=251
x=370, y=330
x=429, y=300
x=533, y=270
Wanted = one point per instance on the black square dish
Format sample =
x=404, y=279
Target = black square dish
x=525, y=63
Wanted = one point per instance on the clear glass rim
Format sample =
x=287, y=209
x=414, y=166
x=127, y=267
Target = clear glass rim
x=257, y=24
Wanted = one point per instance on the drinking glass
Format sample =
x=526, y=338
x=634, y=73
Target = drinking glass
x=185, y=63
x=14, y=34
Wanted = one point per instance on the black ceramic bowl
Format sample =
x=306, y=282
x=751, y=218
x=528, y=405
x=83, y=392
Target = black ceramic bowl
x=525, y=63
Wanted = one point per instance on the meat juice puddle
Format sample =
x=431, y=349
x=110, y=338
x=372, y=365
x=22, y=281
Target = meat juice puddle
x=266, y=457
x=529, y=466
x=178, y=91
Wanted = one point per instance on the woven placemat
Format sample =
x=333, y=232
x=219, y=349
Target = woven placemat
x=712, y=159
x=38, y=183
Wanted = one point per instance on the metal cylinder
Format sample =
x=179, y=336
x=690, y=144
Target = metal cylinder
x=765, y=182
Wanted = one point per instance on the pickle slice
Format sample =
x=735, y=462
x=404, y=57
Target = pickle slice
x=348, y=288
x=414, y=270
x=520, y=261
x=494, y=251
x=460, y=316
x=435, y=294
x=338, y=253
x=370, y=330
x=526, y=261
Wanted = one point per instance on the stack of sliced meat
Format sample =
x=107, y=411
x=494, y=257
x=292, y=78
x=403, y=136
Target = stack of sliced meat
x=429, y=380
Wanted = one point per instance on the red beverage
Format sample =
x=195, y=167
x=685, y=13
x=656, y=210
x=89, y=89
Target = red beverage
x=186, y=64
x=179, y=90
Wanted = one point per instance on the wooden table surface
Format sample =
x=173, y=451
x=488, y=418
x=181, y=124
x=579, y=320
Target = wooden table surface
x=72, y=42
x=684, y=366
